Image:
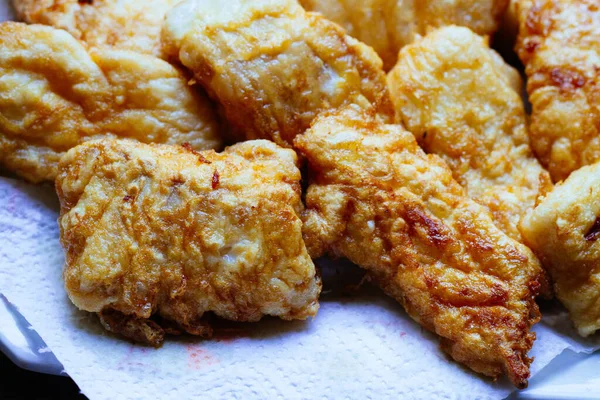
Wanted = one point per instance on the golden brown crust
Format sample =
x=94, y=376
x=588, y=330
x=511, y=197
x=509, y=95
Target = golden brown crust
x=148, y=229
x=388, y=25
x=457, y=97
x=564, y=230
x=54, y=94
x=123, y=24
x=376, y=198
x=139, y=330
x=272, y=66
x=559, y=43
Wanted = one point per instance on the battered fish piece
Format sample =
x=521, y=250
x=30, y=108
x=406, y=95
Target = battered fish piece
x=272, y=66
x=559, y=43
x=376, y=198
x=124, y=24
x=388, y=25
x=54, y=95
x=457, y=97
x=166, y=230
x=564, y=230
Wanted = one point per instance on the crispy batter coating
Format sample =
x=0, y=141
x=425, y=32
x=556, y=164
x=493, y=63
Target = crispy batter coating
x=54, y=95
x=559, y=43
x=272, y=66
x=124, y=24
x=564, y=230
x=376, y=198
x=168, y=230
x=456, y=96
x=388, y=25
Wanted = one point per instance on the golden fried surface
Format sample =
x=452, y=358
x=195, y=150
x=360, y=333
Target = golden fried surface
x=388, y=25
x=168, y=230
x=54, y=95
x=559, y=43
x=456, y=96
x=376, y=198
x=124, y=24
x=272, y=66
x=564, y=230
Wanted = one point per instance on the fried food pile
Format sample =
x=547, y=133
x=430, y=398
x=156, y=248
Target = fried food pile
x=272, y=66
x=431, y=178
x=457, y=96
x=376, y=198
x=156, y=229
x=388, y=25
x=123, y=24
x=55, y=94
x=559, y=43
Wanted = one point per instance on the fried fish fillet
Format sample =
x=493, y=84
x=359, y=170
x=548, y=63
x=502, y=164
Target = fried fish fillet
x=456, y=96
x=272, y=66
x=564, y=230
x=388, y=25
x=167, y=230
x=124, y=24
x=559, y=43
x=376, y=198
x=54, y=94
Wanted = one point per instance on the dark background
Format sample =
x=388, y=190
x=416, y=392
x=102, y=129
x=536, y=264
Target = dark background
x=16, y=383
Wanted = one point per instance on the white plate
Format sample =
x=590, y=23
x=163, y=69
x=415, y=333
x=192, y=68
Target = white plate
x=22, y=344
x=568, y=376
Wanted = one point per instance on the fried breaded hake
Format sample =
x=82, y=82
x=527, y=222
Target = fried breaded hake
x=388, y=25
x=564, y=230
x=456, y=96
x=166, y=230
x=559, y=43
x=272, y=66
x=376, y=198
x=124, y=24
x=54, y=95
